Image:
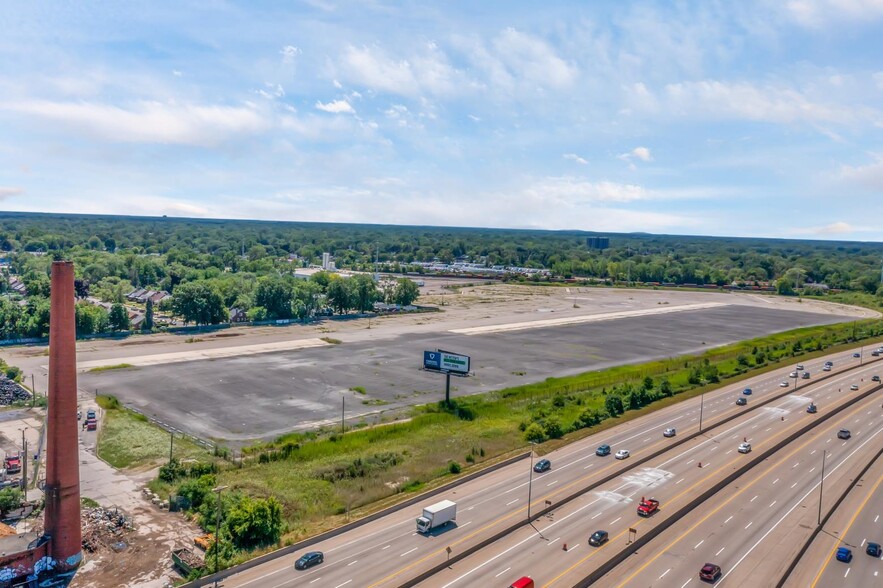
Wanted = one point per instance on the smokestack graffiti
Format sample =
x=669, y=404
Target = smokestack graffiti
x=62, y=489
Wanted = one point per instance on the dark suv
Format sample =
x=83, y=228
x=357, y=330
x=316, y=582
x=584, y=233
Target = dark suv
x=603, y=450
x=309, y=559
x=843, y=434
x=599, y=538
x=542, y=465
x=710, y=572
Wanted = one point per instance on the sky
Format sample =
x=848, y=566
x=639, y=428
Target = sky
x=760, y=118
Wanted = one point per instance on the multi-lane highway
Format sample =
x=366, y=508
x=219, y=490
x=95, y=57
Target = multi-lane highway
x=389, y=552
x=675, y=478
x=856, y=522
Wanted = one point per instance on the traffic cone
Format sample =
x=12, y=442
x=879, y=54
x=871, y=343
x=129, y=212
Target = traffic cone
x=565, y=547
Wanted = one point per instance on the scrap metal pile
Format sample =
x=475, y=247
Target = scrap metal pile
x=11, y=392
x=104, y=528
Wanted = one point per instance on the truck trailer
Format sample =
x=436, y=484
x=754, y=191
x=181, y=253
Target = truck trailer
x=440, y=513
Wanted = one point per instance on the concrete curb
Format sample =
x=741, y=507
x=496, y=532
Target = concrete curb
x=350, y=526
x=717, y=487
x=829, y=514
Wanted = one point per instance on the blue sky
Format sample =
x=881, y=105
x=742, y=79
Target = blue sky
x=748, y=118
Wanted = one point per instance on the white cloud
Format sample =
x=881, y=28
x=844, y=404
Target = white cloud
x=570, y=190
x=819, y=13
x=336, y=107
x=868, y=176
x=642, y=153
x=575, y=157
x=426, y=71
x=148, y=122
x=837, y=228
x=8, y=191
x=533, y=59
x=177, y=73
x=746, y=101
x=474, y=118
x=289, y=53
x=273, y=91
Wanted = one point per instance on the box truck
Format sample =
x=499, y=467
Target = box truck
x=440, y=513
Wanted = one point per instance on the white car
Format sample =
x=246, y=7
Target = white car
x=793, y=374
x=854, y=387
x=783, y=385
x=799, y=366
x=744, y=447
x=827, y=368
x=670, y=432
x=622, y=454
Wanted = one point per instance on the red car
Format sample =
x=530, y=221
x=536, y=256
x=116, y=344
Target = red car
x=91, y=424
x=648, y=507
x=710, y=572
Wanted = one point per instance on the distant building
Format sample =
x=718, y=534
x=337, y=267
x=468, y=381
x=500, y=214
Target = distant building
x=327, y=264
x=237, y=315
x=599, y=243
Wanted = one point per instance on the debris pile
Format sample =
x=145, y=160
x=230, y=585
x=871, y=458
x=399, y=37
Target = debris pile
x=104, y=528
x=11, y=392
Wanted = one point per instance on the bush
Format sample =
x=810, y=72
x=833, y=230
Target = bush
x=10, y=499
x=553, y=428
x=614, y=406
x=454, y=467
x=534, y=432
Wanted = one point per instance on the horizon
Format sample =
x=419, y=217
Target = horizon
x=762, y=119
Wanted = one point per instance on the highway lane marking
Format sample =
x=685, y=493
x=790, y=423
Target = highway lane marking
x=728, y=520
x=751, y=483
x=720, y=551
x=798, y=503
x=503, y=572
x=687, y=582
x=470, y=508
x=691, y=461
x=793, y=485
x=344, y=584
x=749, y=524
x=664, y=573
x=387, y=547
x=753, y=499
x=772, y=503
x=679, y=481
x=698, y=544
x=597, y=515
x=464, y=524
x=550, y=483
x=616, y=521
x=316, y=580
x=513, y=502
x=553, y=541
x=352, y=562
x=410, y=551
x=813, y=451
x=519, y=544
x=847, y=572
x=843, y=533
x=812, y=470
x=774, y=481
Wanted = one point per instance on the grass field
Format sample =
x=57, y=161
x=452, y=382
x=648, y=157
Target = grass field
x=128, y=440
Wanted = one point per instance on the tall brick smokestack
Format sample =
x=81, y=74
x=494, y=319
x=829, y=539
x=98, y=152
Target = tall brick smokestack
x=62, y=490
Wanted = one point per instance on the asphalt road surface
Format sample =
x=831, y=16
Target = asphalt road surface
x=754, y=527
x=857, y=521
x=262, y=396
x=388, y=551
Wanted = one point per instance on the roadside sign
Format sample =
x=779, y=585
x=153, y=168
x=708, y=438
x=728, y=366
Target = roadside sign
x=445, y=361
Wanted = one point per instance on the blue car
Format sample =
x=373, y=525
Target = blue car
x=309, y=559
x=542, y=466
x=844, y=554
x=747, y=391
x=603, y=450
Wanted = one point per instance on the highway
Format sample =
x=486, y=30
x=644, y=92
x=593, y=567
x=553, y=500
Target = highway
x=388, y=551
x=857, y=521
x=674, y=478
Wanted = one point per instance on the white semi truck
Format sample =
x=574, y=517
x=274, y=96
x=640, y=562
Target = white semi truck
x=440, y=513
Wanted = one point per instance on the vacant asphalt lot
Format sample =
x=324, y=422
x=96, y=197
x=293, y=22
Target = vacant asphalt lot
x=263, y=395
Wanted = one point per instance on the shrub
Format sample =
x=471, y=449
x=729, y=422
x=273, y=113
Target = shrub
x=454, y=467
x=553, y=428
x=534, y=432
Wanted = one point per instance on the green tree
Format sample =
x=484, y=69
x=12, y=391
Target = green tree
x=148, y=316
x=90, y=319
x=406, y=292
x=255, y=522
x=340, y=296
x=613, y=405
x=199, y=303
x=275, y=294
x=307, y=296
x=364, y=291
x=119, y=318
x=10, y=499
x=535, y=433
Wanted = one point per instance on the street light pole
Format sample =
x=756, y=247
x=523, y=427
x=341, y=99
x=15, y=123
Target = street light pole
x=530, y=481
x=822, y=484
x=218, y=490
x=701, y=405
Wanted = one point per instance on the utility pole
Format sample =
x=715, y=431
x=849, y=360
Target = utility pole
x=218, y=491
x=530, y=481
x=171, y=444
x=701, y=405
x=342, y=413
x=24, y=462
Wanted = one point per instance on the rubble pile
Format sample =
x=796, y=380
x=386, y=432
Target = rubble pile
x=190, y=558
x=104, y=528
x=11, y=392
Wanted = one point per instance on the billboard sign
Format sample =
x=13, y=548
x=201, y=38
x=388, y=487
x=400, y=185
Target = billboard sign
x=445, y=361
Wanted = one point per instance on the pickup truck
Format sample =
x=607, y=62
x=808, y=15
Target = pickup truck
x=648, y=507
x=13, y=464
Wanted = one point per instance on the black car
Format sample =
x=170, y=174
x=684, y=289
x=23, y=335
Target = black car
x=309, y=560
x=542, y=465
x=599, y=538
x=844, y=434
x=710, y=572
x=874, y=549
x=603, y=450
x=741, y=401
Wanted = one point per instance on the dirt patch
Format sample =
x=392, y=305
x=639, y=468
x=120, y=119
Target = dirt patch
x=141, y=342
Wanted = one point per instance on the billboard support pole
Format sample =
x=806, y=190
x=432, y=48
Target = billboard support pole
x=448, y=389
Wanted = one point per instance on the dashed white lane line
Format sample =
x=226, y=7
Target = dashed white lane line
x=513, y=502
x=596, y=516
x=616, y=521
x=352, y=563
x=679, y=481
x=720, y=551
x=387, y=547
x=749, y=524
x=774, y=481
x=772, y=503
x=550, y=483
x=728, y=520
x=316, y=580
x=503, y=572
x=409, y=551
x=698, y=544
x=794, y=484
x=344, y=584
x=753, y=499
x=664, y=573
x=687, y=582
